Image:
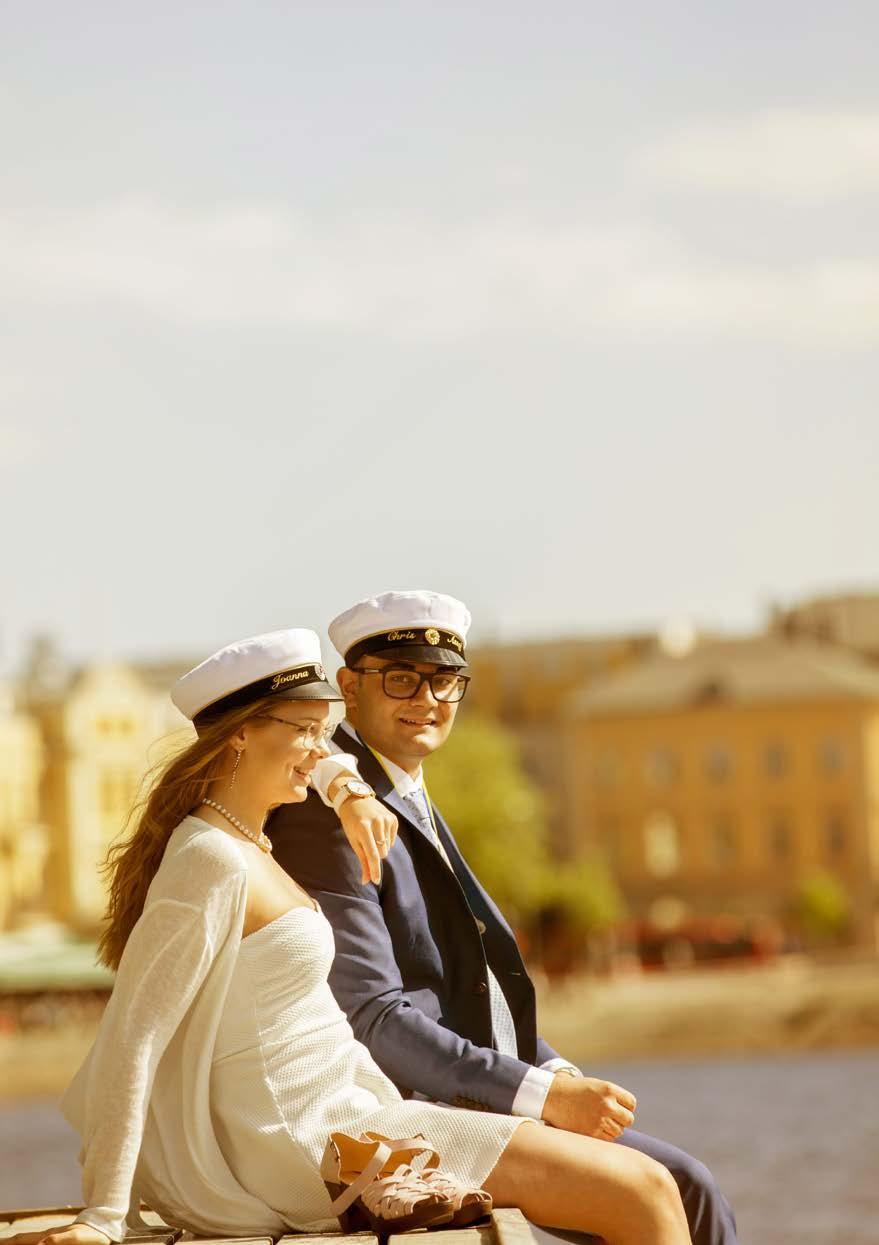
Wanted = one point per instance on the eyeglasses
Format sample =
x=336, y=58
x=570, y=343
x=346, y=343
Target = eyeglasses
x=402, y=684
x=306, y=736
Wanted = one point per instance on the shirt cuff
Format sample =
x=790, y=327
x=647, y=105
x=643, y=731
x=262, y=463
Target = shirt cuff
x=531, y=1094
x=329, y=768
x=561, y=1065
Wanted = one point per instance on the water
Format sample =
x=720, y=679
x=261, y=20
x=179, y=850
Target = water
x=794, y=1142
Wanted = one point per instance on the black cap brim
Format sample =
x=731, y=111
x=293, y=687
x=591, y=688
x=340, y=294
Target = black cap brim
x=320, y=690
x=422, y=652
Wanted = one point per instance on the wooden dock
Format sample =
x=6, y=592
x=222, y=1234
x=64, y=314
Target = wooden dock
x=502, y=1227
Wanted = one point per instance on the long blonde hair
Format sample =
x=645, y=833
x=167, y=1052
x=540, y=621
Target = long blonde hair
x=178, y=786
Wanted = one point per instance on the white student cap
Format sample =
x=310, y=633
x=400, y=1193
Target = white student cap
x=286, y=664
x=410, y=626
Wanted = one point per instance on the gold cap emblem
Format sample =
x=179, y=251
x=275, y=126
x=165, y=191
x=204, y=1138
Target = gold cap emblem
x=432, y=635
x=320, y=672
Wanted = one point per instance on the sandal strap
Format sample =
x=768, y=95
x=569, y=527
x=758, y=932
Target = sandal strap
x=418, y=1144
x=366, y=1177
x=396, y=1195
x=385, y=1151
x=454, y=1189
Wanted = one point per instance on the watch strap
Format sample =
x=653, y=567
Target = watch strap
x=344, y=792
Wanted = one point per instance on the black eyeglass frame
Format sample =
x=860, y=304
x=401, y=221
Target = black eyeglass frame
x=463, y=681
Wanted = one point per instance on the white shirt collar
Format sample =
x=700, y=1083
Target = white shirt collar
x=404, y=783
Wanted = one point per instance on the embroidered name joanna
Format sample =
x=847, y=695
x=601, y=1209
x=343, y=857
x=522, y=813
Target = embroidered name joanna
x=292, y=676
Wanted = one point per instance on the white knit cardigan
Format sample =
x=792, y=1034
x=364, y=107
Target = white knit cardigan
x=147, y=1077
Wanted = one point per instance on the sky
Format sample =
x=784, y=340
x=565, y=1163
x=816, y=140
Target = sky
x=568, y=309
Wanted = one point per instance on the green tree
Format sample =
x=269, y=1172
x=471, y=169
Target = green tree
x=497, y=813
x=822, y=908
x=499, y=818
x=584, y=893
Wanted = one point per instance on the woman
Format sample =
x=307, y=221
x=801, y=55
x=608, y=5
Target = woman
x=223, y=1062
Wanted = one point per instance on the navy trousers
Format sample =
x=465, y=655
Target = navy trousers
x=709, y=1214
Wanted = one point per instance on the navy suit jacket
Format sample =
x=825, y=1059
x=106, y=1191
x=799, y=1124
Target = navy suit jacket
x=412, y=952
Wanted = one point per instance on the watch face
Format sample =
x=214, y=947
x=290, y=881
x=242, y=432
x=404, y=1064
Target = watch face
x=359, y=788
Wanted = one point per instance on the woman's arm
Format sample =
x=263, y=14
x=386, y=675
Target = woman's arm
x=369, y=826
x=166, y=960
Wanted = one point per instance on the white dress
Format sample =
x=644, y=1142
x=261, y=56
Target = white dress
x=222, y=1064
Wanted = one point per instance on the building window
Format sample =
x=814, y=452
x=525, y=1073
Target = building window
x=660, y=767
x=718, y=763
x=722, y=845
x=662, y=845
x=781, y=838
x=835, y=835
x=117, y=789
x=831, y=756
x=776, y=759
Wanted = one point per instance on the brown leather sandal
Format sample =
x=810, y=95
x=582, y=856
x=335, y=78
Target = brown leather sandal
x=372, y=1184
x=468, y=1204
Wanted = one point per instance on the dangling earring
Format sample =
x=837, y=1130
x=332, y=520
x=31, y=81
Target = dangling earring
x=235, y=767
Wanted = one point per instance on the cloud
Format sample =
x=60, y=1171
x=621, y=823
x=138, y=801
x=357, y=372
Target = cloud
x=409, y=280
x=18, y=444
x=783, y=153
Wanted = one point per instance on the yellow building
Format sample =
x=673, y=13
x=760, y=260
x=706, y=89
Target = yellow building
x=718, y=781
x=101, y=732
x=525, y=686
x=847, y=619
x=23, y=840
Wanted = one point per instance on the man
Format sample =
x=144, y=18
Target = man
x=426, y=967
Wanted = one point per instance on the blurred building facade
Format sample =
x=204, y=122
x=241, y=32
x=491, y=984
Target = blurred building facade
x=721, y=780
x=713, y=781
x=525, y=687
x=23, y=837
x=84, y=739
x=850, y=620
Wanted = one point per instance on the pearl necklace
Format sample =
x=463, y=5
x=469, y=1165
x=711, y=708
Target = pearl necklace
x=261, y=840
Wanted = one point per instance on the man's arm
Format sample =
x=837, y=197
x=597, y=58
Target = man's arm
x=415, y=1051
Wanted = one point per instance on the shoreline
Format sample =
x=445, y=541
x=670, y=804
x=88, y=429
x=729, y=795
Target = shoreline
x=792, y=1004
x=786, y=1007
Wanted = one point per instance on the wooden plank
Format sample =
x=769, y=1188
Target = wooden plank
x=37, y=1219
x=328, y=1238
x=40, y=1222
x=226, y=1240
x=479, y=1234
x=152, y=1236
x=511, y=1227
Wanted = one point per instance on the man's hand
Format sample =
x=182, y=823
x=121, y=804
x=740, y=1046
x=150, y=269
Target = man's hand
x=370, y=829
x=582, y=1104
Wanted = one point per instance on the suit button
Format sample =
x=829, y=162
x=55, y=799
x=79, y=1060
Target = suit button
x=480, y=925
x=481, y=987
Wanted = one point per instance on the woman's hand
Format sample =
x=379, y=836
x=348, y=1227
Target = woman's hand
x=370, y=829
x=73, y=1234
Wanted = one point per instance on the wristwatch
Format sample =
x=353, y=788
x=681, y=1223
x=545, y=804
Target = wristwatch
x=348, y=787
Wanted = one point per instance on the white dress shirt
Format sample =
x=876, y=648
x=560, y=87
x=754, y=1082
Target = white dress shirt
x=531, y=1094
